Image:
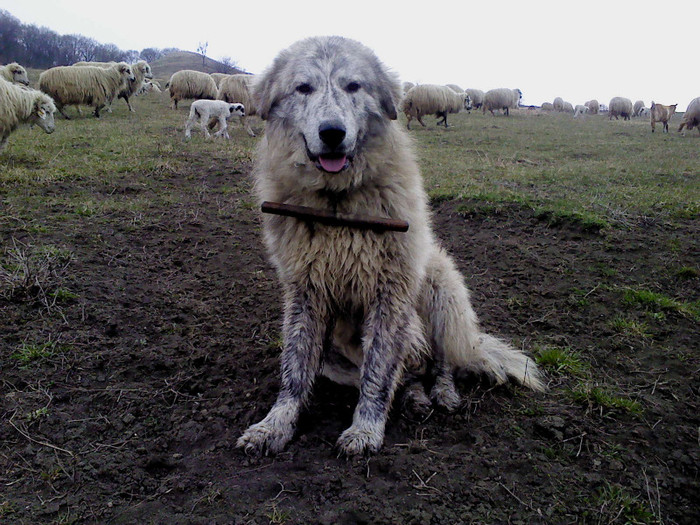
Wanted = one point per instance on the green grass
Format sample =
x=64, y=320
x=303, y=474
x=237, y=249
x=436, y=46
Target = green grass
x=600, y=397
x=658, y=302
x=561, y=361
x=31, y=352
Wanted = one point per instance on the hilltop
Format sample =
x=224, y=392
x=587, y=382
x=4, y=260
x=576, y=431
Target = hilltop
x=164, y=67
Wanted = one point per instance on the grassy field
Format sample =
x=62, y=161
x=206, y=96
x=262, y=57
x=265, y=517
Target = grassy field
x=604, y=172
x=140, y=323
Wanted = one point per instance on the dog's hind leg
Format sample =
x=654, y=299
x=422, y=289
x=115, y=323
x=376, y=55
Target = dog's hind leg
x=304, y=331
x=457, y=340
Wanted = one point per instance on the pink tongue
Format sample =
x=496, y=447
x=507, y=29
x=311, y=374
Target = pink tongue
x=333, y=165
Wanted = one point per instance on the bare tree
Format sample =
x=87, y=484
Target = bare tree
x=202, y=49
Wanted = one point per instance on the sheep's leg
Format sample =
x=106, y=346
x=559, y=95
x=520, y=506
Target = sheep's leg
x=246, y=125
x=222, y=128
x=203, y=123
x=3, y=143
x=97, y=110
x=60, y=106
x=420, y=120
x=408, y=123
x=444, y=118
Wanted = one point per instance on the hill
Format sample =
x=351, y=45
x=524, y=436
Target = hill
x=164, y=67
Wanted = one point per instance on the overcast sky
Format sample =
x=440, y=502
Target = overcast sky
x=577, y=50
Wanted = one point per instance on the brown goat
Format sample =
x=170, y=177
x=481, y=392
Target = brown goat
x=661, y=113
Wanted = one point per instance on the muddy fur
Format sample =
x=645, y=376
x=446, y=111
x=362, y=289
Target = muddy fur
x=363, y=308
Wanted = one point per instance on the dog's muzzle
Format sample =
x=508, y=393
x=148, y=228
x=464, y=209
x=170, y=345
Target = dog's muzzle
x=333, y=159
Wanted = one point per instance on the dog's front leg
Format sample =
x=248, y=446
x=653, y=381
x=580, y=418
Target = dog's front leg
x=304, y=325
x=390, y=332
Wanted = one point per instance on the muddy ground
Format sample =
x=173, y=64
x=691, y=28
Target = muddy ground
x=165, y=349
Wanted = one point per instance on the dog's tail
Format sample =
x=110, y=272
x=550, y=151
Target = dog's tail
x=453, y=329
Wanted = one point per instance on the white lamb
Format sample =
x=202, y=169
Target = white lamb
x=203, y=111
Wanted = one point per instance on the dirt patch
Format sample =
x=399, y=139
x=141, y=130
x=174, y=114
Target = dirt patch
x=126, y=385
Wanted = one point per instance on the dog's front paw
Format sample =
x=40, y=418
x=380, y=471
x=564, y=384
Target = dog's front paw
x=263, y=438
x=358, y=441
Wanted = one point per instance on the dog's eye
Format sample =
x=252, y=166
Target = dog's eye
x=305, y=89
x=352, y=87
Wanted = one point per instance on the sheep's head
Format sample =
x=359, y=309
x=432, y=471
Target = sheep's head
x=19, y=74
x=145, y=69
x=125, y=71
x=236, y=110
x=467, y=101
x=43, y=112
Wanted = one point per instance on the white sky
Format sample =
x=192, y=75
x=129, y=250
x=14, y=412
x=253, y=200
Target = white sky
x=574, y=49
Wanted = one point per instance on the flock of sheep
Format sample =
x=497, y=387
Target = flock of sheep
x=220, y=97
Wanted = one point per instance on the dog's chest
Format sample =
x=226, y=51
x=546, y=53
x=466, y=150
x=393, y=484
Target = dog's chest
x=348, y=263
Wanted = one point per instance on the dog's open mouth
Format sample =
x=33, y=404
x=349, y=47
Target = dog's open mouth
x=333, y=163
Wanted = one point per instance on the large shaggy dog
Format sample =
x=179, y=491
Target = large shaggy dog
x=361, y=307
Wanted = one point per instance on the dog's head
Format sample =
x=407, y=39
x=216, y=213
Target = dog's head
x=331, y=93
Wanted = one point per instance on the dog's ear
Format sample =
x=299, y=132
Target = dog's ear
x=388, y=92
x=267, y=92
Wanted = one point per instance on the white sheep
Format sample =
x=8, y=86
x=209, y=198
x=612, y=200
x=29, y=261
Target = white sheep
x=237, y=88
x=691, y=117
x=22, y=105
x=190, y=84
x=218, y=77
x=141, y=71
x=620, y=107
x=455, y=88
x=547, y=106
x=14, y=73
x=593, y=106
x=501, y=98
x=89, y=85
x=558, y=104
x=204, y=111
x=429, y=99
x=579, y=110
x=406, y=86
x=637, y=108
x=568, y=107
x=476, y=96
x=645, y=112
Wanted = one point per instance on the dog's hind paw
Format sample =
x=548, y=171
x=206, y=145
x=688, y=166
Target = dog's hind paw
x=359, y=441
x=444, y=394
x=263, y=439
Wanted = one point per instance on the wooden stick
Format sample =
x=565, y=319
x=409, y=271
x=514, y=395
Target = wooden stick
x=306, y=213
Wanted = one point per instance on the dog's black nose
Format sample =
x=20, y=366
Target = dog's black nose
x=332, y=133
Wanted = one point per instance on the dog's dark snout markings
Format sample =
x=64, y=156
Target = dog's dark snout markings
x=332, y=133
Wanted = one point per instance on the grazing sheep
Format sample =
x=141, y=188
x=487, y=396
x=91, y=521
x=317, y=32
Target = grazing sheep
x=661, y=113
x=148, y=87
x=88, y=85
x=593, y=106
x=620, y=107
x=429, y=99
x=14, y=73
x=547, y=106
x=21, y=105
x=501, y=98
x=237, y=88
x=190, y=84
x=558, y=104
x=579, y=110
x=218, y=77
x=568, y=107
x=476, y=96
x=203, y=111
x=637, y=108
x=691, y=117
x=141, y=71
x=455, y=88
x=645, y=112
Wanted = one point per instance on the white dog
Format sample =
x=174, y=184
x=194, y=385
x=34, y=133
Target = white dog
x=362, y=307
x=203, y=111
